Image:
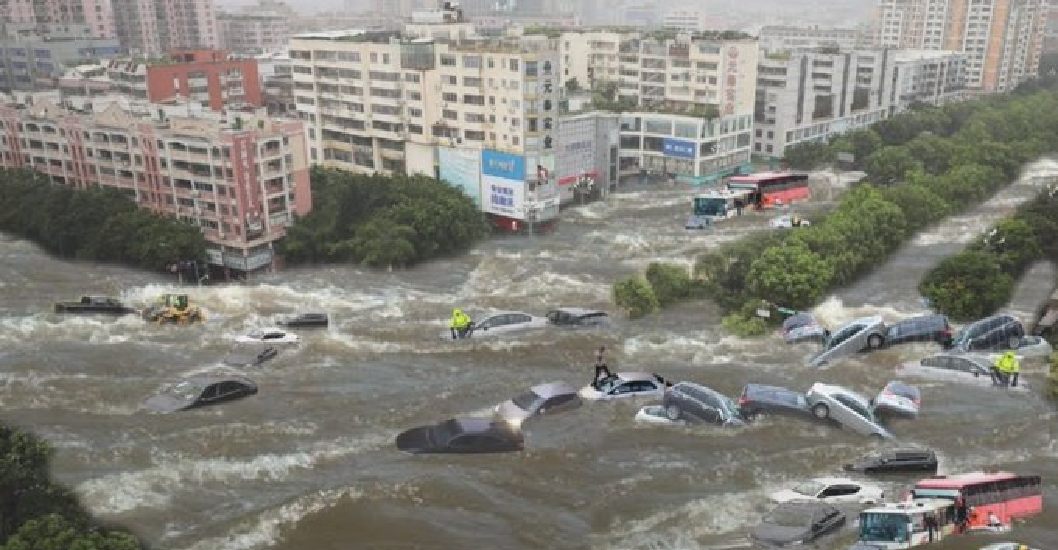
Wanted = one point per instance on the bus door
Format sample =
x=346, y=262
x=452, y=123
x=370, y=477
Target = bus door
x=942, y=524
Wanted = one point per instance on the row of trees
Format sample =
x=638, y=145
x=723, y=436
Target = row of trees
x=980, y=280
x=921, y=166
x=382, y=221
x=101, y=225
x=37, y=514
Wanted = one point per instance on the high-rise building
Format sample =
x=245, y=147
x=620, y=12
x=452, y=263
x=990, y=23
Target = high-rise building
x=684, y=20
x=97, y=16
x=253, y=32
x=775, y=38
x=148, y=27
x=1002, y=39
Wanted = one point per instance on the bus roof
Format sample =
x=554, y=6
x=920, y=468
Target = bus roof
x=765, y=176
x=724, y=194
x=910, y=506
x=962, y=480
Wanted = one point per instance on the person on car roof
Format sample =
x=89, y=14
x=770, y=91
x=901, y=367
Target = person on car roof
x=1007, y=368
x=460, y=324
x=602, y=372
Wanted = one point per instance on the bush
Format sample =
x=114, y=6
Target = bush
x=744, y=326
x=670, y=283
x=1052, y=377
x=791, y=275
x=968, y=286
x=635, y=296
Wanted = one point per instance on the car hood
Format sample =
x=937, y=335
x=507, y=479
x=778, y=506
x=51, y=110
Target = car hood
x=165, y=403
x=511, y=412
x=895, y=402
x=588, y=392
x=416, y=440
x=788, y=495
x=779, y=534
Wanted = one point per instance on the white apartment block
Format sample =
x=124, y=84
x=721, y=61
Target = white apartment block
x=774, y=38
x=253, y=33
x=1002, y=39
x=812, y=95
x=589, y=57
x=683, y=21
x=381, y=103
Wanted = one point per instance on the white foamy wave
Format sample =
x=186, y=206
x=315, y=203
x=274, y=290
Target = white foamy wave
x=154, y=487
x=266, y=528
x=716, y=514
x=833, y=312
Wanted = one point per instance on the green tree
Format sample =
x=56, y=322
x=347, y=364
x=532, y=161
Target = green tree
x=889, y=165
x=968, y=286
x=635, y=296
x=54, y=532
x=921, y=206
x=808, y=155
x=670, y=283
x=792, y=276
x=1014, y=245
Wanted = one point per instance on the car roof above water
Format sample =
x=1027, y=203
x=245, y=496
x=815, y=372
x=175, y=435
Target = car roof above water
x=580, y=311
x=207, y=379
x=552, y=389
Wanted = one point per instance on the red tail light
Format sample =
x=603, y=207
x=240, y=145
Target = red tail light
x=742, y=400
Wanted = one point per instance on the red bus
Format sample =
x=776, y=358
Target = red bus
x=772, y=188
x=1005, y=495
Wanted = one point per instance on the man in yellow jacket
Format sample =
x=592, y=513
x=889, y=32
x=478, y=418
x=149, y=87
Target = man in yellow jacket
x=460, y=324
x=1007, y=369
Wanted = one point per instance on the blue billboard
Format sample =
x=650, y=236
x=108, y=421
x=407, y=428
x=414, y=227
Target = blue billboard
x=679, y=148
x=503, y=183
x=502, y=165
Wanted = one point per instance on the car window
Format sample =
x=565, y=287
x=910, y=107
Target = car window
x=643, y=385
x=228, y=388
x=516, y=318
x=854, y=405
x=273, y=336
x=845, y=334
x=465, y=441
x=840, y=490
x=210, y=392
x=932, y=362
x=623, y=388
x=559, y=400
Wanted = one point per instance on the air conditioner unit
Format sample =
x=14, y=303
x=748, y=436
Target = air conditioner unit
x=220, y=234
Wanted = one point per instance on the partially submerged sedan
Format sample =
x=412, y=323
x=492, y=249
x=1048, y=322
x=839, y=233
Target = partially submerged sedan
x=462, y=435
x=759, y=400
x=797, y=523
x=624, y=385
x=200, y=391
x=697, y=403
x=268, y=336
x=963, y=368
x=845, y=407
x=831, y=490
x=803, y=327
x=867, y=333
x=548, y=398
x=576, y=317
x=898, y=398
x=896, y=461
x=305, y=320
x=499, y=324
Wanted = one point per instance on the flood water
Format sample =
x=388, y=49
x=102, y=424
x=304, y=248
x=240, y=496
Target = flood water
x=309, y=462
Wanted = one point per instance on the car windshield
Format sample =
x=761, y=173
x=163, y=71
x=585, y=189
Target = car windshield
x=790, y=516
x=809, y=488
x=729, y=406
x=843, y=335
x=883, y=527
x=186, y=390
x=905, y=390
x=445, y=431
x=526, y=400
x=610, y=384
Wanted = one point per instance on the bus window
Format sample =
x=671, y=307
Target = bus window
x=884, y=527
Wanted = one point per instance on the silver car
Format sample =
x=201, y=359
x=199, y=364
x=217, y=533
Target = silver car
x=540, y=399
x=861, y=334
x=964, y=368
x=845, y=407
x=898, y=398
x=496, y=324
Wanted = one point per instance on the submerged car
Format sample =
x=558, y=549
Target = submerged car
x=624, y=385
x=1034, y=347
x=305, y=320
x=803, y=327
x=845, y=407
x=200, y=391
x=797, y=523
x=861, y=334
x=694, y=402
x=787, y=221
x=578, y=317
x=462, y=435
x=548, y=398
x=925, y=328
x=999, y=332
x=896, y=461
x=898, y=398
x=831, y=490
x=251, y=356
x=499, y=324
x=94, y=304
x=757, y=400
x=963, y=368
x=655, y=414
x=269, y=336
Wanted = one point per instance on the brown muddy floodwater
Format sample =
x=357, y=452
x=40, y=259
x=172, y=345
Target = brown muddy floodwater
x=309, y=462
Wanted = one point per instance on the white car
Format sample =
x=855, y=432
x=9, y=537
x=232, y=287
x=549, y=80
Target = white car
x=655, y=414
x=497, y=324
x=540, y=399
x=963, y=368
x=626, y=384
x=831, y=490
x=845, y=407
x=269, y=336
x=786, y=221
x=898, y=398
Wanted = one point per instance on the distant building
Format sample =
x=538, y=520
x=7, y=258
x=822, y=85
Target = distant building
x=253, y=33
x=277, y=82
x=590, y=56
x=1050, y=43
x=148, y=27
x=587, y=155
x=36, y=62
x=646, y=15
x=684, y=21
x=97, y=16
x=241, y=180
x=812, y=95
x=775, y=38
x=1002, y=39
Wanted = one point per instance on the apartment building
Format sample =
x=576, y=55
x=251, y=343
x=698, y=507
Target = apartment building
x=1050, y=38
x=775, y=38
x=1002, y=39
x=96, y=16
x=277, y=83
x=207, y=77
x=380, y=102
x=683, y=21
x=240, y=180
x=35, y=62
x=586, y=158
x=148, y=27
x=812, y=95
x=589, y=57
x=253, y=33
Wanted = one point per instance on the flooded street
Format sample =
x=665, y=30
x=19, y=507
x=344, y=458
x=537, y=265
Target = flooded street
x=309, y=462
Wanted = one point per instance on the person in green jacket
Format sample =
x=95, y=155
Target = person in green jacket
x=460, y=324
x=1007, y=368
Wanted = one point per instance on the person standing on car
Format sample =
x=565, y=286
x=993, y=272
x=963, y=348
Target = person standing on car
x=602, y=372
x=1007, y=369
